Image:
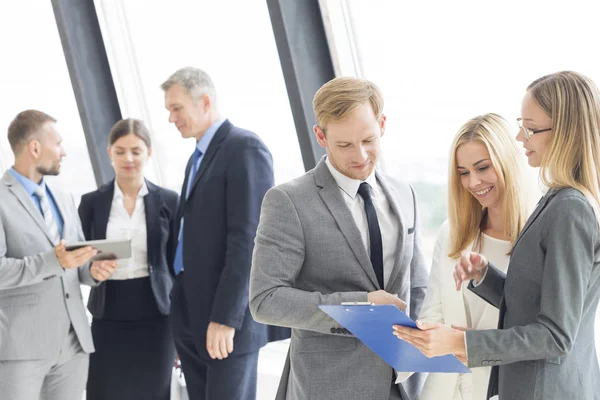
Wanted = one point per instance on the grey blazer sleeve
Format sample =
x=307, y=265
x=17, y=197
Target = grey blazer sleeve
x=28, y=270
x=569, y=236
x=491, y=288
x=277, y=262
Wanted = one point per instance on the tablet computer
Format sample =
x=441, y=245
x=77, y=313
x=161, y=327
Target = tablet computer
x=107, y=249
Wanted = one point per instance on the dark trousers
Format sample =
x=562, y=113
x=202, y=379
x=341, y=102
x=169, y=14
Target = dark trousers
x=233, y=378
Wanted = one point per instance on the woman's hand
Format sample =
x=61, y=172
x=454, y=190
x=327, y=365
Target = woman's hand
x=470, y=265
x=434, y=339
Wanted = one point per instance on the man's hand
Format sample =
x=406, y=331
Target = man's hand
x=219, y=340
x=75, y=258
x=102, y=270
x=383, y=297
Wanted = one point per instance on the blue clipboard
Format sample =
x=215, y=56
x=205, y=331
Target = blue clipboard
x=372, y=324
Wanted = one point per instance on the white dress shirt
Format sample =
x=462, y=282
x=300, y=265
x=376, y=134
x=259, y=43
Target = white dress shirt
x=122, y=226
x=388, y=223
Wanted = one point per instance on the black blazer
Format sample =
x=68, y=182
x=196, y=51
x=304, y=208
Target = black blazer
x=220, y=219
x=161, y=206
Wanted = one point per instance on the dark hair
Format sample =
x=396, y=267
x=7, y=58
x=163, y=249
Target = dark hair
x=126, y=126
x=24, y=126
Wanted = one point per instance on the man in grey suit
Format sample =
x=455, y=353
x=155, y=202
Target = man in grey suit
x=341, y=232
x=46, y=336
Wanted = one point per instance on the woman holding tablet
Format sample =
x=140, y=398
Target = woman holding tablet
x=134, y=345
x=545, y=347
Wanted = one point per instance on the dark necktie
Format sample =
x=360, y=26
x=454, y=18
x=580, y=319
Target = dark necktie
x=178, y=262
x=366, y=192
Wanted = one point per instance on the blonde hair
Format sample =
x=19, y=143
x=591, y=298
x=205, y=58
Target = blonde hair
x=465, y=213
x=573, y=102
x=341, y=96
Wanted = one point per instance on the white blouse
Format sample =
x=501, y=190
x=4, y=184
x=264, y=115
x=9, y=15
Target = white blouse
x=122, y=226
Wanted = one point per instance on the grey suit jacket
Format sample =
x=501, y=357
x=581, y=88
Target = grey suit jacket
x=545, y=348
x=309, y=252
x=38, y=299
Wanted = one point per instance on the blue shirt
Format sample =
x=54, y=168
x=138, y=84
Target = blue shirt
x=30, y=187
x=202, y=146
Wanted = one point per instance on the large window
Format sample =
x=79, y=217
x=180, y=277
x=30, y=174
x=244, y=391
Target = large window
x=440, y=64
x=33, y=74
x=232, y=41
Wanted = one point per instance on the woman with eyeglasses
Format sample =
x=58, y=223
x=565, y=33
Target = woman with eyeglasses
x=488, y=204
x=545, y=347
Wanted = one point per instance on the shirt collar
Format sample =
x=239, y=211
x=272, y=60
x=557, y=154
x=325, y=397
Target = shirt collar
x=29, y=185
x=349, y=185
x=118, y=193
x=208, y=136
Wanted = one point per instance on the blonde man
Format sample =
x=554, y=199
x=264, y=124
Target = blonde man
x=341, y=232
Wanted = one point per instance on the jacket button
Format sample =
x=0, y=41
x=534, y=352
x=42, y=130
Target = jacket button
x=333, y=330
x=67, y=295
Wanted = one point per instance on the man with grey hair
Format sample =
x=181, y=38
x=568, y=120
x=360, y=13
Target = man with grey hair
x=225, y=181
x=45, y=338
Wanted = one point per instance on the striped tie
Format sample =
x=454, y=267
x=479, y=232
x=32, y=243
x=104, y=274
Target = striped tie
x=48, y=217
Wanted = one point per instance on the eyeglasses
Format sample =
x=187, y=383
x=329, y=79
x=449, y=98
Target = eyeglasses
x=528, y=133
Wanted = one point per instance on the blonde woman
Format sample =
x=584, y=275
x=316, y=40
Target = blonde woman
x=548, y=298
x=488, y=205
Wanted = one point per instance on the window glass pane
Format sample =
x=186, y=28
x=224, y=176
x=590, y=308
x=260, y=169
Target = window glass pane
x=33, y=74
x=438, y=69
x=232, y=41
x=441, y=63
x=236, y=48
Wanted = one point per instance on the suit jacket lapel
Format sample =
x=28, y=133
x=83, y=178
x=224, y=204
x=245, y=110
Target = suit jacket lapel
x=536, y=213
x=485, y=316
x=331, y=196
x=213, y=148
x=102, y=210
x=183, y=197
x=392, y=197
x=459, y=299
x=17, y=189
x=540, y=207
x=152, y=205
